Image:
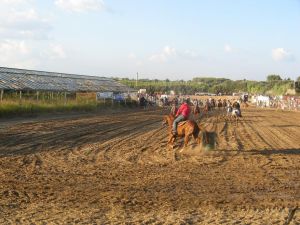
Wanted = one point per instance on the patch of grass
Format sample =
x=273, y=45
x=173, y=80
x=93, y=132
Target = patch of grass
x=16, y=108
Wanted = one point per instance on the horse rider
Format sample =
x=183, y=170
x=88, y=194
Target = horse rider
x=236, y=105
x=143, y=101
x=224, y=103
x=174, y=108
x=181, y=115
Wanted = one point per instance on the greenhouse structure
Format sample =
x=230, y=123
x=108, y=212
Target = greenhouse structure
x=20, y=82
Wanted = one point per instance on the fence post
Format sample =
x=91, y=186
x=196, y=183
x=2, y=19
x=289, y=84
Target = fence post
x=65, y=94
x=20, y=97
x=51, y=97
x=1, y=95
x=37, y=96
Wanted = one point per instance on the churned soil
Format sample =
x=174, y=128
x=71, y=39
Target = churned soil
x=116, y=168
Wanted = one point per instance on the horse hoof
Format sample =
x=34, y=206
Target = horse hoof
x=171, y=146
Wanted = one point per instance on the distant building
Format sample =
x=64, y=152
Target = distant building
x=32, y=80
x=41, y=83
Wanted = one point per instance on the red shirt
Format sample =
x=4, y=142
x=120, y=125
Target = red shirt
x=184, y=110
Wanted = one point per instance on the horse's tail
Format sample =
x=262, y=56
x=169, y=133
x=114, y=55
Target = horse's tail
x=196, y=130
x=198, y=134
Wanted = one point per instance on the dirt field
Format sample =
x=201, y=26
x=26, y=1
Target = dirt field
x=115, y=168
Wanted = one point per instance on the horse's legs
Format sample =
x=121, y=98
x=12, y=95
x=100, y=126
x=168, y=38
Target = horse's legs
x=197, y=138
x=186, y=140
x=171, y=141
x=205, y=137
x=170, y=138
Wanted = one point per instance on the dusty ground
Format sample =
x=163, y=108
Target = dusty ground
x=116, y=169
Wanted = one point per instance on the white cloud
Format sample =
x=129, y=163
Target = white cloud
x=24, y=23
x=188, y=54
x=80, y=5
x=55, y=51
x=24, y=36
x=280, y=54
x=228, y=48
x=26, y=54
x=132, y=56
x=170, y=53
x=134, y=59
x=166, y=54
x=10, y=47
x=14, y=2
x=16, y=54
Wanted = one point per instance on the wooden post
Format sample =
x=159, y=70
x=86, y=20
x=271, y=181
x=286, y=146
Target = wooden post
x=65, y=94
x=20, y=97
x=1, y=95
x=37, y=96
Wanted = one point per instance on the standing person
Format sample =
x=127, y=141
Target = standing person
x=142, y=101
x=174, y=107
x=181, y=115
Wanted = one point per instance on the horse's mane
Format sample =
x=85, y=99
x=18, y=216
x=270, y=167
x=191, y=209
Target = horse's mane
x=170, y=116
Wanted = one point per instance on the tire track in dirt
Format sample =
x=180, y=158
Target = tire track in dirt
x=79, y=134
x=110, y=149
x=255, y=140
x=124, y=135
x=142, y=182
x=259, y=137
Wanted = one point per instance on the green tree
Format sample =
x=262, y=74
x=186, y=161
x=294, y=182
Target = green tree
x=273, y=77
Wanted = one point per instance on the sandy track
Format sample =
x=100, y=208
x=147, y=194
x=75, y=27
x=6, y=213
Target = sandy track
x=116, y=168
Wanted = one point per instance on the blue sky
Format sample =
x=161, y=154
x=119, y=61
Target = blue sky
x=236, y=39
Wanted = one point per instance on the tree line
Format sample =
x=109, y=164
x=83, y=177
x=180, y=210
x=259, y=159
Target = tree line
x=274, y=85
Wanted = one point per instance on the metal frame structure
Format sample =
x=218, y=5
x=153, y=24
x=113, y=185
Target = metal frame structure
x=32, y=80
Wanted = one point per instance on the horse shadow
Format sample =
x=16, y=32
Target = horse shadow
x=268, y=152
x=209, y=140
x=291, y=151
x=283, y=126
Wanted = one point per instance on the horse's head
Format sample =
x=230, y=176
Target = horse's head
x=165, y=120
x=168, y=119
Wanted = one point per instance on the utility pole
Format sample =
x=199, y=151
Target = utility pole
x=137, y=78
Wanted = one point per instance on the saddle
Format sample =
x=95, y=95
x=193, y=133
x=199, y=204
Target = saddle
x=182, y=123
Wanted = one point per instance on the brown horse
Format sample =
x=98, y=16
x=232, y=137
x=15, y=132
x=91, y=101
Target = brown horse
x=207, y=108
x=185, y=129
x=196, y=110
x=220, y=105
x=244, y=105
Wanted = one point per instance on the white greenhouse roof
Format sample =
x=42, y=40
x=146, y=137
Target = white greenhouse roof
x=20, y=79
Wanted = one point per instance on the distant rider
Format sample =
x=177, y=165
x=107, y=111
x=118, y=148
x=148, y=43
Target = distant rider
x=236, y=105
x=181, y=115
x=173, y=108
